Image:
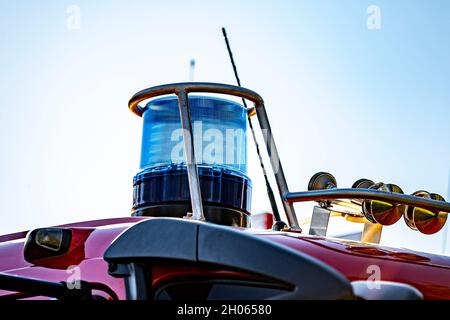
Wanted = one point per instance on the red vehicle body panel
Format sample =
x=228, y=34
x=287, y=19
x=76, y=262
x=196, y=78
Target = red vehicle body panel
x=429, y=273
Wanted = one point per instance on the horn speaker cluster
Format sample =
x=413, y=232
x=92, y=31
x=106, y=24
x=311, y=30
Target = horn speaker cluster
x=386, y=213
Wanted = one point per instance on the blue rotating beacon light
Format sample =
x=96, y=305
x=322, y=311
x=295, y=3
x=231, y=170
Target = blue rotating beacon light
x=220, y=144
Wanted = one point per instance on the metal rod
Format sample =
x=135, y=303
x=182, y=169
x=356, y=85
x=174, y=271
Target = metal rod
x=275, y=161
x=189, y=151
x=270, y=193
x=31, y=286
x=208, y=87
x=34, y=287
x=353, y=193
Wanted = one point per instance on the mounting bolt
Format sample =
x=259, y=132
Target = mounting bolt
x=112, y=267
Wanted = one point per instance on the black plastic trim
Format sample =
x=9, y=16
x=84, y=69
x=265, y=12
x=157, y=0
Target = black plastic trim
x=201, y=242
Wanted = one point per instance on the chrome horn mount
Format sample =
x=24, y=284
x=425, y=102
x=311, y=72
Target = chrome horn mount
x=379, y=203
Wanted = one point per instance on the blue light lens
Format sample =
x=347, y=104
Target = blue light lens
x=219, y=129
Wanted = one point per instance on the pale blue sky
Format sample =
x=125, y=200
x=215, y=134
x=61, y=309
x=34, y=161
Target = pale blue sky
x=341, y=98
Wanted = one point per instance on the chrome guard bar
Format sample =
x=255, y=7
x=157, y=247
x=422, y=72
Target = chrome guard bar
x=182, y=90
x=369, y=194
x=288, y=198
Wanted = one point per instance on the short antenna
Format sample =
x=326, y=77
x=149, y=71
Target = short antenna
x=191, y=70
x=278, y=223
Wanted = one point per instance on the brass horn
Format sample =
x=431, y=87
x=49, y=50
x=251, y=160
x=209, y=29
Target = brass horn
x=322, y=181
x=363, y=184
x=383, y=212
x=325, y=180
x=424, y=220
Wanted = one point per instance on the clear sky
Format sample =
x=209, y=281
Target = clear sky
x=341, y=97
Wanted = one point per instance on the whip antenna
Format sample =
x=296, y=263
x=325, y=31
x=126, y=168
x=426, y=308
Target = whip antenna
x=191, y=70
x=278, y=223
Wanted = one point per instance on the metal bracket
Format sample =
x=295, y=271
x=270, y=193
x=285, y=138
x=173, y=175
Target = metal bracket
x=321, y=217
x=319, y=221
x=372, y=232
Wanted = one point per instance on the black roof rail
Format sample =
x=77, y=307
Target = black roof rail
x=201, y=242
x=37, y=287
